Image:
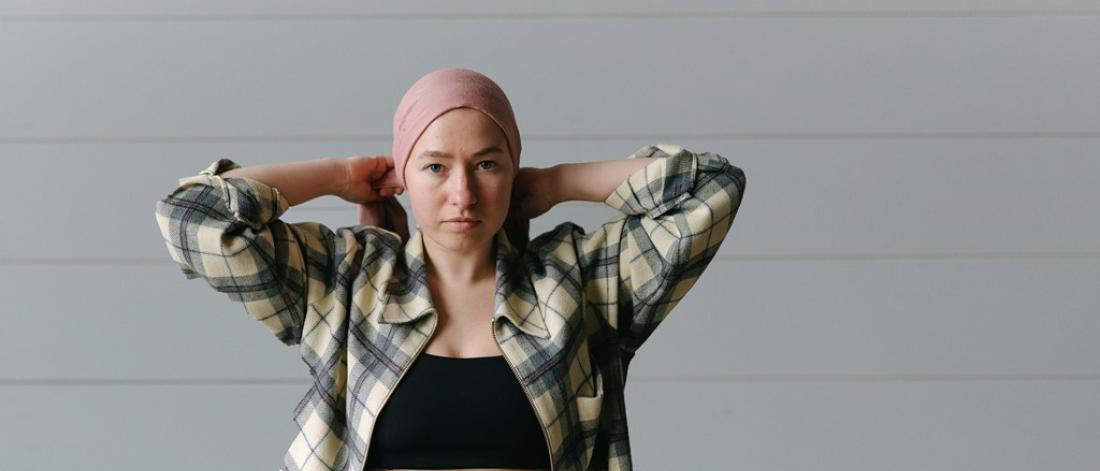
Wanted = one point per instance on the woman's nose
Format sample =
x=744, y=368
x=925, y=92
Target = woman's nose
x=462, y=190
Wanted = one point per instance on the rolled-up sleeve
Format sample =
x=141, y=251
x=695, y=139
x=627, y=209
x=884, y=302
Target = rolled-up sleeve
x=677, y=212
x=228, y=232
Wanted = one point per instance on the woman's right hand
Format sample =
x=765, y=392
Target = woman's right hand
x=363, y=173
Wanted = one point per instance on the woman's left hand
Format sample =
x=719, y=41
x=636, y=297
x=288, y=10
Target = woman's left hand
x=532, y=192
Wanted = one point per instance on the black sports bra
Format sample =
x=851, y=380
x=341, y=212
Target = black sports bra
x=451, y=412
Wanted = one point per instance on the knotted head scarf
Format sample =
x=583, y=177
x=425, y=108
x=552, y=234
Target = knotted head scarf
x=429, y=97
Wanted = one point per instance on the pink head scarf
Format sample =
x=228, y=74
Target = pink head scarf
x=429, y=97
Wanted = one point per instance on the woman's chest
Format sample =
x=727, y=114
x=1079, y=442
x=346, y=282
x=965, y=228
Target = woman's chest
x=464, y=329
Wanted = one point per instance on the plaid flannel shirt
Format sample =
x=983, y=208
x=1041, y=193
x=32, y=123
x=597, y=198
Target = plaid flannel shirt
x=570, y=311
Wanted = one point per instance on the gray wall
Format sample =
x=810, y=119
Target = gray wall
x=911, y=282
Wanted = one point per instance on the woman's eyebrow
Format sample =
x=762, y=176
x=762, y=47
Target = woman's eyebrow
x=444, y=155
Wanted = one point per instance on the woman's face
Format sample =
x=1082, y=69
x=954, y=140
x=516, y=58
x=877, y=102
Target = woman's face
x=460, y=167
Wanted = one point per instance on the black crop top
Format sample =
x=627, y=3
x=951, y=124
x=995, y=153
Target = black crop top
x=451, y=412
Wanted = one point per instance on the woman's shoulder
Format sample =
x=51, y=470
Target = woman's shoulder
x=365, y=250
x=569, y=240
x=562, y=235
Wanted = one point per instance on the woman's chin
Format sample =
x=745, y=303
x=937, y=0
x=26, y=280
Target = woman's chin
x=465, y=240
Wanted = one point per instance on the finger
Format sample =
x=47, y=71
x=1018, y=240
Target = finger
x=377, y=168
x=389, y=163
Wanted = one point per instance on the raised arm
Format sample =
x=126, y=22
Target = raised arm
x=677, y=208
x=298, y=182
x=590, y=181
x=223, y=225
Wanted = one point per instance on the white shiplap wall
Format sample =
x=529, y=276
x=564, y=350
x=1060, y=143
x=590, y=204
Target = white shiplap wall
x=910, y=283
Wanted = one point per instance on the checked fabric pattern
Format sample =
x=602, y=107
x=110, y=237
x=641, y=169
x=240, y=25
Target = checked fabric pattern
x=570, y=312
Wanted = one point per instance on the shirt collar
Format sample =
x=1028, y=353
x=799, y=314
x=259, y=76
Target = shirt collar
x=407, y=298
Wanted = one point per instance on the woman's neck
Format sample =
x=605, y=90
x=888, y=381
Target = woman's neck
x=454, y=268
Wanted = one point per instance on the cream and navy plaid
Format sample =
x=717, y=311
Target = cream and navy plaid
x=571, y=311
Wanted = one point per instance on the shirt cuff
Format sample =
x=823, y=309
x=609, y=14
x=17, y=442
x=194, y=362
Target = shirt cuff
x=248, y=200
x=659, y=186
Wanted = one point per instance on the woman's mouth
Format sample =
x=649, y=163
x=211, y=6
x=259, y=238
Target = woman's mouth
x=462, y=225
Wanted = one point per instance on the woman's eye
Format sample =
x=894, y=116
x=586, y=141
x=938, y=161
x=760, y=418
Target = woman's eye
x=429, y=167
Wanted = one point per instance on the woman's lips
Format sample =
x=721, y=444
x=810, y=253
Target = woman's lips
x=462, y=225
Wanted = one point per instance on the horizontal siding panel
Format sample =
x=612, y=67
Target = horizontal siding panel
x=336, y=7
x=743, y=318
x=804, y=198
x=679, y=76
x=905, y=427
x=1006, y=426
x=148, y=427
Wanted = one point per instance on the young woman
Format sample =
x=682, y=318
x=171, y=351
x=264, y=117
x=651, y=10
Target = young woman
x=407, y=372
